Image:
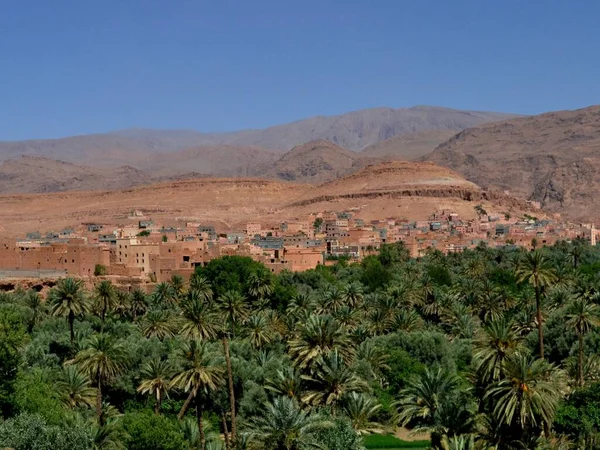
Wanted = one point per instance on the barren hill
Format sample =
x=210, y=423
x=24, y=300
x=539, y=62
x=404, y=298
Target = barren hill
x=37, y=174
x=314, y=162
x=410, y=146
x=402, y=189
x=553, y=158
x=221, y=160
x=92, y=149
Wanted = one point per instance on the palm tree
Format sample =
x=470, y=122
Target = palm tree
x=316, y=338
x=201, y=373
x=424, y=400
x=109, y=436
x=102, y=360
x=582, y=316
x=233, y=306
x=68, y=299
x=333, y=299
x=138, y=303
x=285, y=426
x=105, y=299
x=33, y=301
x=258, y=331
x=497, y=341
x=198, y=319
x=74, y=388
x=535, y=269
x=360, y=408
x=201, y=285
x=374, y=356
x=122, y=306
x=156, y=381
x=163, y=294
x=331, y=380
x=405, y=320
x=287, y=382
x=260, y=285
x=157, y=323
x=177, y=283
x=528, y=395
x=463, y=442
x=353, y=294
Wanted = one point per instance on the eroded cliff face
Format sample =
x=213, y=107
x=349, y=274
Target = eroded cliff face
x=468, y=195
x=552, y=158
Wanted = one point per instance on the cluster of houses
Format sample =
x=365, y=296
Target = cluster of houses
x=154, y=252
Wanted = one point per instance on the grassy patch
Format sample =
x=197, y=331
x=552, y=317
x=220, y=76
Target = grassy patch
x=390, y=442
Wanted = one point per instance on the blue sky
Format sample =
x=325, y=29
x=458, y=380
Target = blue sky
x=84, y=66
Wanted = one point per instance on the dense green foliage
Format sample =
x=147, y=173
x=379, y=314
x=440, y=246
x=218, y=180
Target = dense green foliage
x=483, y=349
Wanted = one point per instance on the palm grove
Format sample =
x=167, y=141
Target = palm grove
x=488, y=349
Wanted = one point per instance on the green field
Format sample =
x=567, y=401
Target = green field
x=390, y=442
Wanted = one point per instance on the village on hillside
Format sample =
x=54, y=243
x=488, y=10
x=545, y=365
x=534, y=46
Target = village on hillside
x=154, y=252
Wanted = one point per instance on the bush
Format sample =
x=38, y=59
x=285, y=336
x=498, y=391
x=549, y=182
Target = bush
x=339, y=437
x=35, y=394
x=99, y=270
x=148, y=431
x=11, y=338
x=31, y=432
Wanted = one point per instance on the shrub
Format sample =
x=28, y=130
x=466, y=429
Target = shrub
x=99, y=270
x=148, y=431
x=340, y=436
x=31, y=432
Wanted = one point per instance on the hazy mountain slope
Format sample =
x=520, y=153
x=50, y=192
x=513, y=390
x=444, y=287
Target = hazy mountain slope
x=354, y=131
x=553, y=158
x=223, y=160
x=358, y=129
x=97, y=149
x=165, y=140
x=314, y=162
x=410, y=146
x=31, y=174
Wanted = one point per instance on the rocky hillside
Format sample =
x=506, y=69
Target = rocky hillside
x=36, y=174
x=406, y=189
x=409, y=147
x=314, y=162
x=220, y=160
x=551, y=158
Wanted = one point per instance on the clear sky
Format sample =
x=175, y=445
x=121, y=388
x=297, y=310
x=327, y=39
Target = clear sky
x=84, y=66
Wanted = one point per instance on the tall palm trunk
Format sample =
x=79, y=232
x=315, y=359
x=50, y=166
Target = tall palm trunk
x=158, y=402
x=580, y=359
x=99, y=402
x=186, y=405
x=225, y=430
x=538, y=308
x=103, y=317
x=71, y=320
x=199, y=411
x=230, y=382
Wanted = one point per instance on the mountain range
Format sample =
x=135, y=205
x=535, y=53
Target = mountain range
x=551, y=158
